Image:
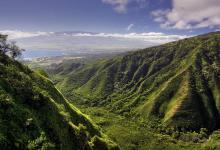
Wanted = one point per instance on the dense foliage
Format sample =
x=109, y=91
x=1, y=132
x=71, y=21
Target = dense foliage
x=177, y=82
x=163, y=97
x=34, y=114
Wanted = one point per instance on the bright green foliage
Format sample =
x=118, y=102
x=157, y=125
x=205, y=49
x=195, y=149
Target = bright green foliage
x=135, y=134
x=213, y=141
x=40, y=143
x=177, y=83
x=34, y=114
x=164, y=97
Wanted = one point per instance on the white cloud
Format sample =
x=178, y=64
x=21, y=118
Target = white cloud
x=82, y=42
x=16, y=34
x=121, y=6
x=153, y=37
x=190, y=14
x=129, y=27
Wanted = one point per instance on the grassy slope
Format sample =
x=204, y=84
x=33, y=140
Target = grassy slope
x=35, y=115
x=132, y=134
x=176, y=82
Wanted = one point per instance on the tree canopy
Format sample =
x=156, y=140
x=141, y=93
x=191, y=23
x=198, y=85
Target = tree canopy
x=9, y=48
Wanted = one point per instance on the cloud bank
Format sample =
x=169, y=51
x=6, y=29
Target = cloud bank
x=16, y=34
x=152, y=37
x=86, y=41
x=190, y=14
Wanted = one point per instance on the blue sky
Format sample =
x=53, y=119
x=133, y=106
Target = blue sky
x=27, y=21
x=82, y=15
x=86, y=15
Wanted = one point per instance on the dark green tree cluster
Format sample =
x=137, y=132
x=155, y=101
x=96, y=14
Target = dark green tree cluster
x=9, y=48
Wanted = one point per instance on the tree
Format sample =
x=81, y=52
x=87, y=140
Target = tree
x=14, y=50
x=4, y=46
x=9, y=48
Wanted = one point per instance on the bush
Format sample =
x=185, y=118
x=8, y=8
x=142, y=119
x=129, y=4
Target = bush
x=41, y=143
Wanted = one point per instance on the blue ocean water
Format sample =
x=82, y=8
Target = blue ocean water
x=30, y=54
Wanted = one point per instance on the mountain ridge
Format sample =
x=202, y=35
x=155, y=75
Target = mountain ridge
x=35, y=115
x=147, y=83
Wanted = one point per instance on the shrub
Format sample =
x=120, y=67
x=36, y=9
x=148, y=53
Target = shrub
x=41, y=143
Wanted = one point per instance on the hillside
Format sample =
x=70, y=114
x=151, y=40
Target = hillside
x=34, y=114
x=176, y=83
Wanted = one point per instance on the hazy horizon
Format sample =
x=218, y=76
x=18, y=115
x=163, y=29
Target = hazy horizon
x=104, y=26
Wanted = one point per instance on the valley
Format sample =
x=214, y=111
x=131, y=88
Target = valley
x=110, y=75
x=164, y=97
x=35, y=115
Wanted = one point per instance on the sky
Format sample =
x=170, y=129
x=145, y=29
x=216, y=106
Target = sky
x=105, y=24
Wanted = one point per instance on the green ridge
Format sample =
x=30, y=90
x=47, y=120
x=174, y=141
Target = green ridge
x=35, y=115
x=177, y=83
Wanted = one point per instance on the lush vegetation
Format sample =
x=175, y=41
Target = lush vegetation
x=35, y=115
x=176, y=82
x=170, y=94
x=132, y=134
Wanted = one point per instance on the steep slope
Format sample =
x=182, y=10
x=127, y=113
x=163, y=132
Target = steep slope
x=177, y=83
x=35, y=115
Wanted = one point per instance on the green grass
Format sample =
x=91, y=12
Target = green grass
x=35, y=115
x=131, y=133
x=148, y=83
x=163, y=97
